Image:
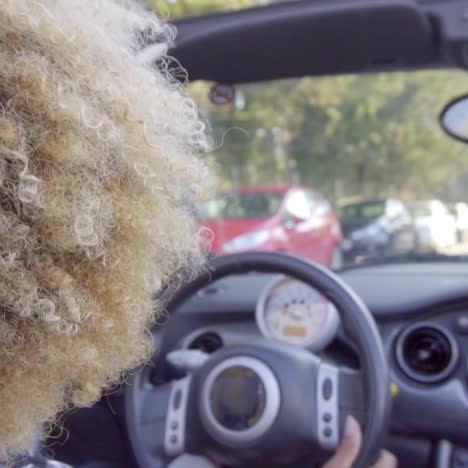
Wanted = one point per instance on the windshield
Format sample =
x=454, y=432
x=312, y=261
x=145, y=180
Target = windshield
x=241, y=206
x=362, y=211
x=421, y=210
x=364, y=152
x=357, y=215
x=372, y=138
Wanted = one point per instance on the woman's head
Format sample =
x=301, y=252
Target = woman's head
x=98, y=168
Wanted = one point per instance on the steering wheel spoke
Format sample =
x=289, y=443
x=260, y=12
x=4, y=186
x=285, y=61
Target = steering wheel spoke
x=158, y=426
x=327, y=407
x=339, y=392
x=352, y=397
x=176, y=418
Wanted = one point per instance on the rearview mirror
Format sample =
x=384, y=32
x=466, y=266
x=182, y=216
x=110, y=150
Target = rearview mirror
x=454, y=119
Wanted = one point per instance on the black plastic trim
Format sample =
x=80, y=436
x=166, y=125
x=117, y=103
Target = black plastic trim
x=308, y=38
x=416, y=376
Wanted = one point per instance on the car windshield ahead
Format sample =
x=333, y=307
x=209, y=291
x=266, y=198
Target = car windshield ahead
x=247, y=205
x=362, y=213
x=357, y=215
x=341, y=141
x=420, y=210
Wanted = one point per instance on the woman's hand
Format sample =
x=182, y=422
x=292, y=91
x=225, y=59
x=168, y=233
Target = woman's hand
x=349, y=449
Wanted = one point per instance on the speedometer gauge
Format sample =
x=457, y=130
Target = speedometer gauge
x=293, y=312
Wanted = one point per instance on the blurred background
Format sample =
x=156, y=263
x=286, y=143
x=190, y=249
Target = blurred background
x=369, y=148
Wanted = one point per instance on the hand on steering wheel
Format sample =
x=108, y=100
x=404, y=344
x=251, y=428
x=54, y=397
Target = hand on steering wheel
x=348, y=450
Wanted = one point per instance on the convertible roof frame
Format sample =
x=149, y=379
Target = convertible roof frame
x=323, y=37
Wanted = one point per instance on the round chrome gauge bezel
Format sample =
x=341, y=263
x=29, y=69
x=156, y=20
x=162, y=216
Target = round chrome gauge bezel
x=315, y=343
x=269, y=413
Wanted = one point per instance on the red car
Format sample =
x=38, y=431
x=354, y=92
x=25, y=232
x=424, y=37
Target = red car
x=289, y=219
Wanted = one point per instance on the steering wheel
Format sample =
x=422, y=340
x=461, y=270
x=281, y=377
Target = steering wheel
x=264, y=403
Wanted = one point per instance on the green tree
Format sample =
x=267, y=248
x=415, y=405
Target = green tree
x=177, y=8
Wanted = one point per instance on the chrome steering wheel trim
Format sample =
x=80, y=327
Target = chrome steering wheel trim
x=272, y=402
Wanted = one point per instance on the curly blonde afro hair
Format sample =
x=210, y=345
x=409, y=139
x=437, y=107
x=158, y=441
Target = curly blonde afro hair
x=98, y=169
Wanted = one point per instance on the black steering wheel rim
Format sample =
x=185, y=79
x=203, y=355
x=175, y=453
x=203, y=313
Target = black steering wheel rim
x=356, y=319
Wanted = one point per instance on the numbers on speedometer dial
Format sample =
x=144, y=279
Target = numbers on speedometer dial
x=293, y=312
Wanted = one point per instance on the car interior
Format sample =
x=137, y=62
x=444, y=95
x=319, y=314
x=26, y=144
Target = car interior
x=259, y=358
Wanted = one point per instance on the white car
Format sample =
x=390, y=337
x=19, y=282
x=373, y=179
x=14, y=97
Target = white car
x=460, y=211
x=435, y=225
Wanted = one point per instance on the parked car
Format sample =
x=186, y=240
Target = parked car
x=436, y=226
x=288, y=219
x=460, y=211
x=377, y=228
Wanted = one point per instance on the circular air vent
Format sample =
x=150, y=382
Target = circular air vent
x=207, y=342
x=426, y=352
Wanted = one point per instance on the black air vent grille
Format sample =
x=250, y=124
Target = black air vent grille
x=426, y=353
x=207, y=342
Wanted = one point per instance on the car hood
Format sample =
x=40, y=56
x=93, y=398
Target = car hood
x=225, y=230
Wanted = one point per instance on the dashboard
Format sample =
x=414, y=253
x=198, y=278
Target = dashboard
x=421, y=311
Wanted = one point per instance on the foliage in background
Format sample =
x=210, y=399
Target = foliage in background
x=347, y=136
x=371, y=136
x=176, y=8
